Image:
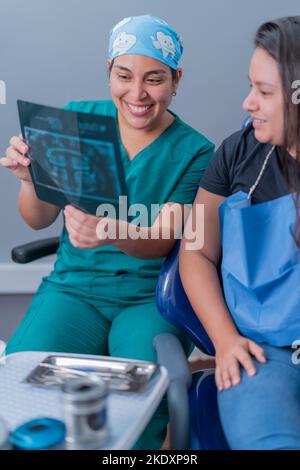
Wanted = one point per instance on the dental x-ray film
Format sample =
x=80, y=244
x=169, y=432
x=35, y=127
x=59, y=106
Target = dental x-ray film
x=75, y=157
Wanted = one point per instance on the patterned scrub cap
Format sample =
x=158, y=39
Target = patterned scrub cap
x=146, y=35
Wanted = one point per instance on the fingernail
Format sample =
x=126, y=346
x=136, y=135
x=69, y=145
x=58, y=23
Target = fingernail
x=24, y=148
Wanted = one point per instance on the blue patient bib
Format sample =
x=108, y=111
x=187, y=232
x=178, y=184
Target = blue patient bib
x=260, y=267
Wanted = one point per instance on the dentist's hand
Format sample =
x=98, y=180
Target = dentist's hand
x=81, y=228
x=89, y=231
x=15, y=159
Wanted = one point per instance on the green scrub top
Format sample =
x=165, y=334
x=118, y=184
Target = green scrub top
x=167, y=170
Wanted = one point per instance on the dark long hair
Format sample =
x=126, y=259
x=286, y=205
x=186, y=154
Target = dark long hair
x=281, y=39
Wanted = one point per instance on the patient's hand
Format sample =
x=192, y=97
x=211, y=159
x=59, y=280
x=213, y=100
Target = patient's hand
x=232, y=353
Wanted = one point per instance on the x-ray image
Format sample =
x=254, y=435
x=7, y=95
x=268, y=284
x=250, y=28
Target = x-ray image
x=74, y=157
x=72, y=163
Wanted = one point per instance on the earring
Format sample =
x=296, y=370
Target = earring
x=174, y=93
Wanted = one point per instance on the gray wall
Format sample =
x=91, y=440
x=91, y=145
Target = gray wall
x=52, y=51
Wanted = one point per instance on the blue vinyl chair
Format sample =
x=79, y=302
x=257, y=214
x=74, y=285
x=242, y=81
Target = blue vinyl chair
x=192, y=399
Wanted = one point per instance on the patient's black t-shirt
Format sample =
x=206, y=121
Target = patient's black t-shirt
x=237, y=164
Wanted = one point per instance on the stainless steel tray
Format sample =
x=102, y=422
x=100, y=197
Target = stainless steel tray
x=130, y=376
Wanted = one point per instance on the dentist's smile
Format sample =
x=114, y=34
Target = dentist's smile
x=137, y=110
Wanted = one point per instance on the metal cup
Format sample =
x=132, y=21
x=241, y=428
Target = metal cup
x=85, y=406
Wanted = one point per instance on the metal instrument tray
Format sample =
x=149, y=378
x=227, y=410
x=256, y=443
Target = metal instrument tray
x=120, y=375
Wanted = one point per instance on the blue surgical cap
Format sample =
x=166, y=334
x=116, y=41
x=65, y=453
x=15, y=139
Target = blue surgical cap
x=146, y=35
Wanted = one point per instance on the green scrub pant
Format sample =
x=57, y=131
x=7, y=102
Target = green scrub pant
x=61, y=321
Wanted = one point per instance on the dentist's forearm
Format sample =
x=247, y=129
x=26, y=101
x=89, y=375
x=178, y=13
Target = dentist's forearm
x=36, y=213
x=150, y=245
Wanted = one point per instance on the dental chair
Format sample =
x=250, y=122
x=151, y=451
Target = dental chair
x=192, y=398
